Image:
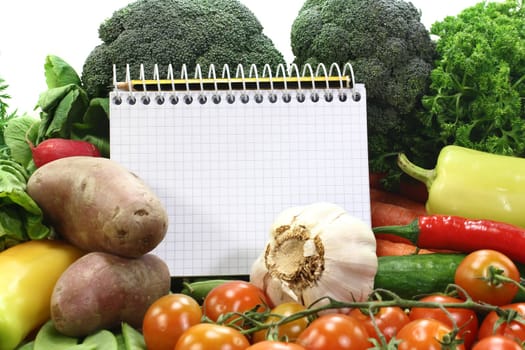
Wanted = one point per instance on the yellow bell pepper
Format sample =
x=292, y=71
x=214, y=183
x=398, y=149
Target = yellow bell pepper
x=28, y=273
x=473, y=184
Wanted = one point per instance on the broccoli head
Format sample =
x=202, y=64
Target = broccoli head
x=176, y=32
x=391, y=52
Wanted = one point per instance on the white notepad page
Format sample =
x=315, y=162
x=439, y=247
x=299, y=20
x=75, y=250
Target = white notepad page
x=224, y=171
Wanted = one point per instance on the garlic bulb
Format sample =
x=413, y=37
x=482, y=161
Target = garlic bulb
x=316, y=251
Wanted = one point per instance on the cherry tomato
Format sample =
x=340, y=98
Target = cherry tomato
x=424, y=334
x=211, y=336
x=167, y=318
x=497, y=342
x=513, y=329
x=233, y=296
x=290, y=330
x=473, y=271
x=335, y=332
x=466, y=319
x=389, y=320
x=275, y=345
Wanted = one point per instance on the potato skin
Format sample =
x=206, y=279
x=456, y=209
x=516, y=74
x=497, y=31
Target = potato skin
x=101, y=290
x=98, y=205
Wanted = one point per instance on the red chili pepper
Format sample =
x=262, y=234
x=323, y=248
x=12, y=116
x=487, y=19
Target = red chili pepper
x=462, y=234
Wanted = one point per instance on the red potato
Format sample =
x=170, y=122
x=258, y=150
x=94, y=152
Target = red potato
x=98, y=205
x=100, y=290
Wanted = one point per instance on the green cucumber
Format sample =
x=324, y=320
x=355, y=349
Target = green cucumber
x=411, y=276
x=199, y=289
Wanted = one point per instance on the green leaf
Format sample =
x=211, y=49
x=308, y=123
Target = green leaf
x=70, y=109
x=49, y=99
x=59, y=73
x=16, y=134
x=102, y=340
x=21, y=218
x=94, y=127
x=132, y=338
x=49, y=338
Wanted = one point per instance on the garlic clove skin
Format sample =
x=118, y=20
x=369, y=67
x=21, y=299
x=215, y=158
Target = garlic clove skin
x=272, y=287
x=316, y=251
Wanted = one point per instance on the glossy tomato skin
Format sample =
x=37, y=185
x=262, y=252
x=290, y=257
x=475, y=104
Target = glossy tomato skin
x=275, y=345
x=472, y=272
x=335, y=332
x=167, y=318
x=513, y=329
x=423, y=334
x=389, y=320
x=497, y=342
x=233, y=296
x=290, y=330
x=466, y=319
x=210, y=336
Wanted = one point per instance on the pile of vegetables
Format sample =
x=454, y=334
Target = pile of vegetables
x=443, y=256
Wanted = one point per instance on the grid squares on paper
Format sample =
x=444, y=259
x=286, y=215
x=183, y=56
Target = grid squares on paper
x=224, y=171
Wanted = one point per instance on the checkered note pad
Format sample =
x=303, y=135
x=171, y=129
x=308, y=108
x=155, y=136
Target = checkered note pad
x=225, y=169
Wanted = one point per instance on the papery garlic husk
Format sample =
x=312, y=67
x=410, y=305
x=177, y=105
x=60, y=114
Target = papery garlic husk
x=316, y=251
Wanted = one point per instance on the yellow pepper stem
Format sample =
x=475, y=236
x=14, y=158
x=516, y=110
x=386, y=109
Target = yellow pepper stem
x=426, y=176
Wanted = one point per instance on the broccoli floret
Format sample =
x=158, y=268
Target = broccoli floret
x=391, y=52
x=176, y=32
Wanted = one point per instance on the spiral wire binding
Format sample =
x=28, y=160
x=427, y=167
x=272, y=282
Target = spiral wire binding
x=282, y=74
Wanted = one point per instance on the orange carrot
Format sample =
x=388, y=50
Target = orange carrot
x=397, y=199
x=388, y=248
x=386, y=214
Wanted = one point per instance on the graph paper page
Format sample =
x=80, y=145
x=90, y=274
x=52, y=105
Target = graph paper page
x=224, y=171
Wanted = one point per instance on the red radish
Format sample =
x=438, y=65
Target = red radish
x=56, y=148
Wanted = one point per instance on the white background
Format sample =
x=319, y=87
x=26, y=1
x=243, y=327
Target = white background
x=30, y=30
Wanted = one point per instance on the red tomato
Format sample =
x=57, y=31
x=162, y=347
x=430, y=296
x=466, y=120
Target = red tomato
x=335, y=332
x=473, y=273
x=275, y=345
x=389, y=320
x=289, y=330
x=466, y=319
x=496, y=342
x=211, y=336
x=513, y=329
x=424, y=334
x=232, y=296
x=167, y=318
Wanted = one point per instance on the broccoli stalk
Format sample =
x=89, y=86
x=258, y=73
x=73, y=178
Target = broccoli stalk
x=391, y=52
x=176, y=32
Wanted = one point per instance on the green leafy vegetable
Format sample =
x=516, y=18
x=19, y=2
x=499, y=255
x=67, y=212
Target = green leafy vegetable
x=127, y=338
x=5, y=116
x=478, y=83
x=68, y=112
x=17, y=133
x=59, y=73
x=21, y=219
x=133, y=339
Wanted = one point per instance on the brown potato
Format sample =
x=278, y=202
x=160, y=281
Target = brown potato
x=100, y=290
x=98, y=205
